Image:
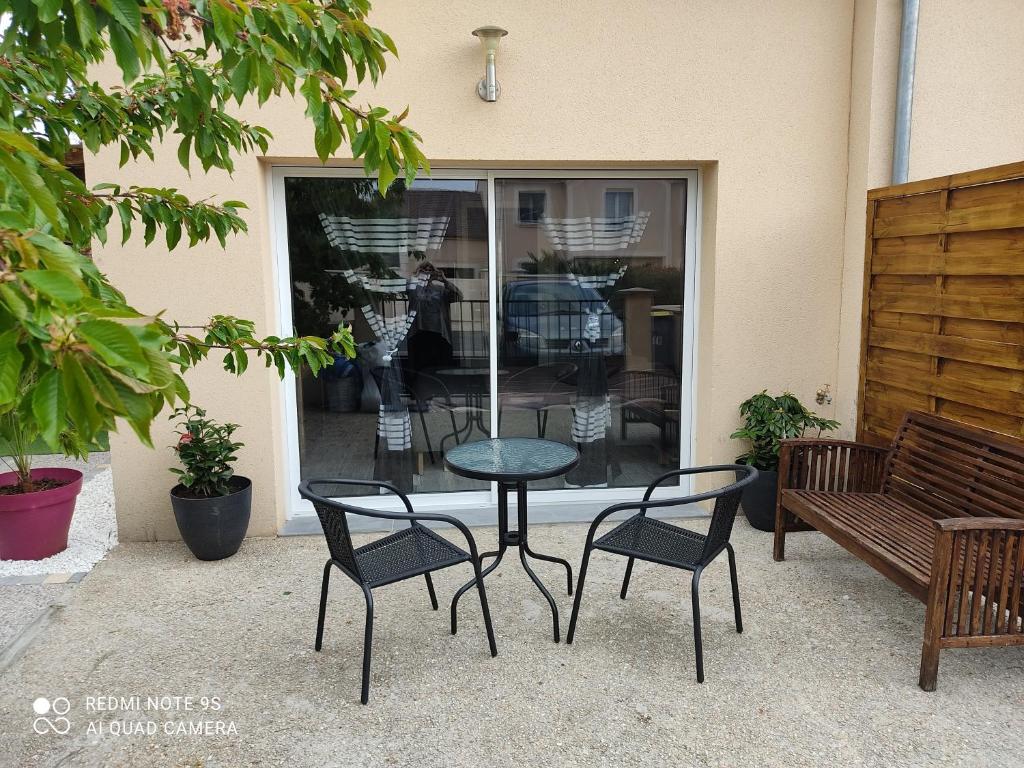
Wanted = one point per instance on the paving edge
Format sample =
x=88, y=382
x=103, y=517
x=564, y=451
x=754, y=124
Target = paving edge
x=42, y=578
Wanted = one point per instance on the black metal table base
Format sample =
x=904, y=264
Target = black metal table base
x=517, y=538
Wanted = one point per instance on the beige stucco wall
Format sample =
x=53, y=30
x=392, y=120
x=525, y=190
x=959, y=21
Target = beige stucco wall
x=968, y=105
x=755, y=93
x=967, y=113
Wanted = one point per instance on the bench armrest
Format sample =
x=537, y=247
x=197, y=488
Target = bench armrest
x=975, y=591
x=979, y=524
x=840, y=466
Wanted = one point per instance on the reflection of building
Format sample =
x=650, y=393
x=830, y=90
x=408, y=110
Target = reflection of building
x=530, y=200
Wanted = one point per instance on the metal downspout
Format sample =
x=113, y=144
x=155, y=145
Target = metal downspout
x=905, y=92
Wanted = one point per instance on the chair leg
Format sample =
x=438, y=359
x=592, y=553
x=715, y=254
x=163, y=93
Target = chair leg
x=544, y=425
x=735, y=587
x=426, y=434
x=430, y=589
x=323, y=605
x=484, y=607
x=697, y=644
x=367, y=645
x=625, y=579
x=579, y=596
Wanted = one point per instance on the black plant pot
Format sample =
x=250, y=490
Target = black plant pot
x=213, y=528
x=758, y=500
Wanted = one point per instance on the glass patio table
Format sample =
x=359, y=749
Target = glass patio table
x=512, y=462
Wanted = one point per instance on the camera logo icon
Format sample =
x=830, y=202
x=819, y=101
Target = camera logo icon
x=50, y=715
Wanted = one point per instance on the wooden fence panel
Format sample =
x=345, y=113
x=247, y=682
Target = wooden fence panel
x=943, y=313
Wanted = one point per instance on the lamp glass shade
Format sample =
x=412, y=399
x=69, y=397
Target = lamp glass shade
x=490, y=36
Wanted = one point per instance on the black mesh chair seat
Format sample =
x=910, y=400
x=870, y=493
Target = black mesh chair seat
x=656, y=541
x=410, y=552
x=648, y=539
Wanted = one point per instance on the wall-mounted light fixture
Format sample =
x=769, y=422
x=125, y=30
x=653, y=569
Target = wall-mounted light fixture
x=488, y=88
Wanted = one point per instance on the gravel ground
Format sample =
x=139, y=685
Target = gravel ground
x=93, y=531
x=825, y=673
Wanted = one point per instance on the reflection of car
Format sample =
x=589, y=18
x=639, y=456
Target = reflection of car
x=545, y=320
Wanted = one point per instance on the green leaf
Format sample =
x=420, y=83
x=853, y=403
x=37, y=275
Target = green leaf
x=49, y=10
x=49, y=406
x=114, y=343
x=81, y=399
x=34, y=187
x=241, y=79
x=85, y=20
x=127, y=13
x=14, y=301
x=55, y=285
x=10, y=366
x=125, y=55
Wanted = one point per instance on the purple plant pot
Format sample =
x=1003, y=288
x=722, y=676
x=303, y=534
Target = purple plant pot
x=35, y=525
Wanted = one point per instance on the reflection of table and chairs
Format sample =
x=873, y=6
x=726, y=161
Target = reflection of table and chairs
x=539, y=389
x=513, y=462
x=473, y=384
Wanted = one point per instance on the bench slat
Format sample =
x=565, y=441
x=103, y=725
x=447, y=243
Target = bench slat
x=845, y=530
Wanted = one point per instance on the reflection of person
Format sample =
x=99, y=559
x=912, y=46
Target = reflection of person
x=430, y=342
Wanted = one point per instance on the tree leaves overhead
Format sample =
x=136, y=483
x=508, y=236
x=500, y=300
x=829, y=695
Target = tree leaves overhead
x=74, y=356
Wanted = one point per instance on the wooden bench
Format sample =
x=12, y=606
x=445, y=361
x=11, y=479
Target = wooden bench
x=940, y=512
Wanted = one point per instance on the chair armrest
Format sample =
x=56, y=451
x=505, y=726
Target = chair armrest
x=305, y=490
x=646, y=503
x=816, y=464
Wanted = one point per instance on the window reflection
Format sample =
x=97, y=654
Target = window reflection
x=409, y=272
x=590, y=315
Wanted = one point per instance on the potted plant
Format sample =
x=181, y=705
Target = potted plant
x=36, y=505
x=211, y=503
x=766, y=421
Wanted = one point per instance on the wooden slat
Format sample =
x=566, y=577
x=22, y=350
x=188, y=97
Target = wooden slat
x=971, y=350
x=947, y=388
x=972, y=307
x=947, y=264
x=965, y=179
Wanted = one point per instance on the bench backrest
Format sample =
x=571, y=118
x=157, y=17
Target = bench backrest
x=949, y=469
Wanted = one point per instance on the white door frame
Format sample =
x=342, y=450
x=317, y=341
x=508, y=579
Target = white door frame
x=478, y=506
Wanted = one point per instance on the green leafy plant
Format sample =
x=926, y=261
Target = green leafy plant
x=75, y=357
x=767, y=420
x=207, y=452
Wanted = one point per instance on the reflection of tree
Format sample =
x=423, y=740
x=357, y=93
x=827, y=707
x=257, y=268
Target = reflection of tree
x=551, y=263
x=316, y=293
x=666, y=282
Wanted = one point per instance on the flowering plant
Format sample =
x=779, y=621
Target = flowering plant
x=207, y=451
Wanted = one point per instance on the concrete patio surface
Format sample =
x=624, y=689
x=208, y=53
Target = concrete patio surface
x=825, y=673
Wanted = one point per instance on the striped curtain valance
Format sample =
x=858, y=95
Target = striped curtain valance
x=385, y=285
x=597, y=281
x=400, y=236
x=591, y=233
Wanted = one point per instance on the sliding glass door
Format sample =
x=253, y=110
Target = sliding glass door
x=551, y=305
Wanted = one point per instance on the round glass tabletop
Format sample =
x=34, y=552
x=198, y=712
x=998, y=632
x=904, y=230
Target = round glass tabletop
x=511, y=458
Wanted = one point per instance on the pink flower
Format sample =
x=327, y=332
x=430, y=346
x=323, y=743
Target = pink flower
x=185, y=439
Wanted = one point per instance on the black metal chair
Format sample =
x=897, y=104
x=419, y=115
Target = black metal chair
x=414, y=551
x=644, y=538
